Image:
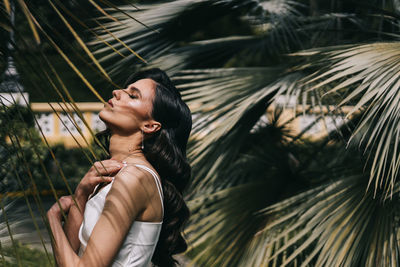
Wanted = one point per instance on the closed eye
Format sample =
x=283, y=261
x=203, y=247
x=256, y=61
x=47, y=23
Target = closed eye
x=132, y=96
x=136, y=92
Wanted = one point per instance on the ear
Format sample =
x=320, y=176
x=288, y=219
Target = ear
x=151, y=126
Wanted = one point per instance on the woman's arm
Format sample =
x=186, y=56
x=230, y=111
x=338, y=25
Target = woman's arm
x=98, y=173
x=61, y=246
x=128, y=197
x=74, y=221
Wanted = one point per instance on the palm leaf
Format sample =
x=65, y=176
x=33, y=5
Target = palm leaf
x=223, y=224
x=30, y=19
x=367, y=77
x=331, y=226
x=215, y=52
x=226, y=104
x=80, y=41
x=327, y=225
x=24, y=150
x=7, y=6
x=161, y=38
x=135, y=35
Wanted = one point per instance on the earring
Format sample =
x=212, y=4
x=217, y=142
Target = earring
x=142, y=140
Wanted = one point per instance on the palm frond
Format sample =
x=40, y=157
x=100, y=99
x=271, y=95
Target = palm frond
x=23, y=154
x=214, y=52
x=366, y=76
x=223, y=222
x=134, y=35
x=165, y=32
x=280, y=23
x=226, y=104
x=335, y=223
x=331, y=226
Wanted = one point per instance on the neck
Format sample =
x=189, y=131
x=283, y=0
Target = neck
x=126, y=148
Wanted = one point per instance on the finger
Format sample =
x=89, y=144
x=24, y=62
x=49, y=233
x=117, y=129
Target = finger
x=111, y=161
x=109, y=171
x=95, y=180
x=65, y=202
x=101, y=179
x=112, y=165
x=107, y=167
x=107, y=163
x=98, y=166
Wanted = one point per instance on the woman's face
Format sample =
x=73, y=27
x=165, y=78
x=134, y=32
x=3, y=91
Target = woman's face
x=130, y=108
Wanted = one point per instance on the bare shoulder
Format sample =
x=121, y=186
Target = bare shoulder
x=127, y=199
x=132, y=173
x=134, y=181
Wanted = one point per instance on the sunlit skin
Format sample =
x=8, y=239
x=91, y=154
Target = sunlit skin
x=133, y=195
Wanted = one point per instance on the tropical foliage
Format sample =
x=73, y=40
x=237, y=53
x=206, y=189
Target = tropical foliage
x=30, y=167
x=27, y=257
x=263, y=195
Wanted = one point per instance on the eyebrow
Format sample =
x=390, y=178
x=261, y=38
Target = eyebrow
x=133, y=88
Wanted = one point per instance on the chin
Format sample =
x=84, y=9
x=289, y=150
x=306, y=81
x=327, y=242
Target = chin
x=108, y=118
x=104, y=115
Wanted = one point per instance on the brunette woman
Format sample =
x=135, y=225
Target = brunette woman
x=130, y=210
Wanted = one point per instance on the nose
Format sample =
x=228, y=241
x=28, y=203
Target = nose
x=116, y=93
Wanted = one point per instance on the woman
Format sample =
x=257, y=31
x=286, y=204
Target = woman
x=129, y=209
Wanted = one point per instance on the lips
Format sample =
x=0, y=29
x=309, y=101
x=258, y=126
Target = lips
x=110, y=103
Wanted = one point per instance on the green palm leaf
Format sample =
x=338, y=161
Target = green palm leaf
x=223, y=224
x=332, y=226
x=25, y=153
x=336, y=223
x=215, y=52
x=256, y=202
x=226, y=104
x=276, y=22
x=135, y=35
x=366, y=76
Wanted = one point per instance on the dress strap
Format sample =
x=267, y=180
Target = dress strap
x=156, y=179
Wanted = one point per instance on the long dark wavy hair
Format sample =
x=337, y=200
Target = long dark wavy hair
x=166, y=152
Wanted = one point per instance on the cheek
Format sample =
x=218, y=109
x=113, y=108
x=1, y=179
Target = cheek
x=139, y=109
x=127, y=116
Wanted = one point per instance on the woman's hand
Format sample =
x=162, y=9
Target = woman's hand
x=101, y=171
x=55, y=211
x=61, y=245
